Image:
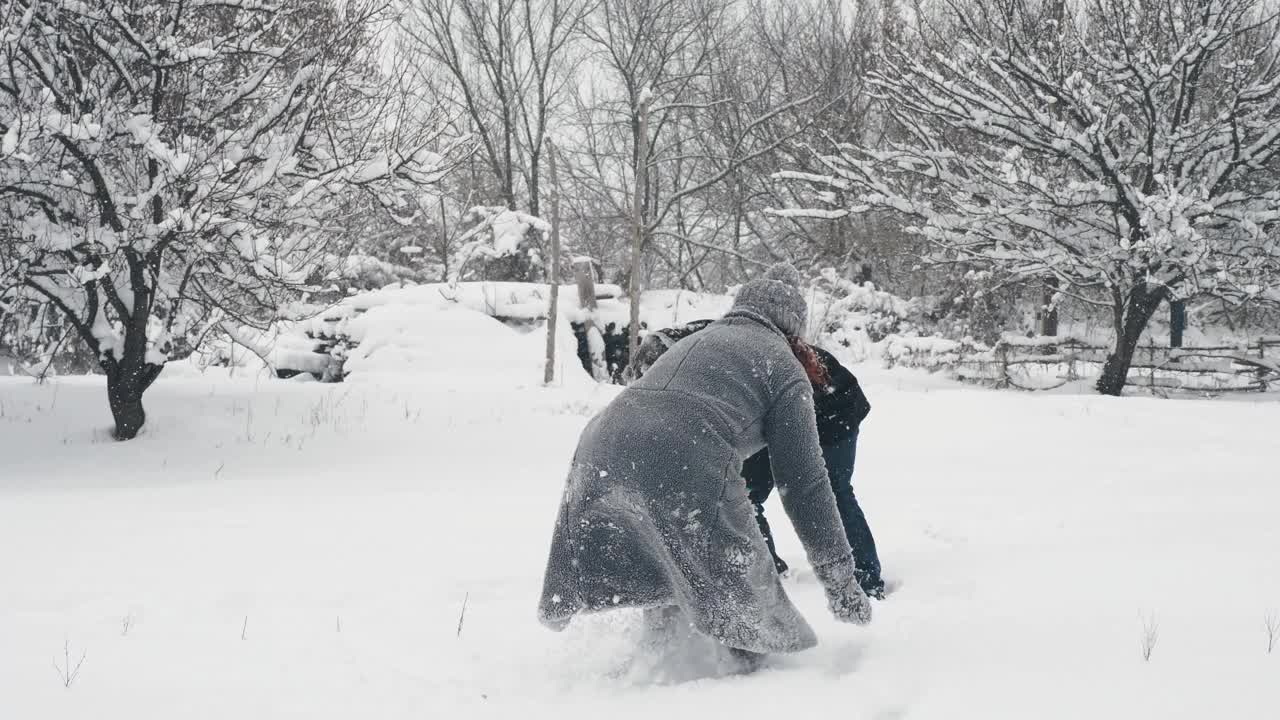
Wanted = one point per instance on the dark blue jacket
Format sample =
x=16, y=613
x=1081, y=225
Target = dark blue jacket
x=840, y=405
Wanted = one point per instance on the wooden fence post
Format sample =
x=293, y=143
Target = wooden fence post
x=1002, y=355
x=1262, y=372
x=1151, y=367
x=584, y=275
x=639, y=191
x=1048, y=308
x=549, y=372
x=1177, y=322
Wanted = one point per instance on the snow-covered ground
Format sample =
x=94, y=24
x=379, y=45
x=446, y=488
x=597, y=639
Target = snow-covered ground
x=271, y=549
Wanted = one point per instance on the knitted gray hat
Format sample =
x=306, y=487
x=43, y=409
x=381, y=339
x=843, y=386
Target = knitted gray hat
x=777, y=297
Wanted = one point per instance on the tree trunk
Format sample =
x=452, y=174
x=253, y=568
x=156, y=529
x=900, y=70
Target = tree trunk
x=126, y=382
x=1131, y=322
x=129, y=374
x=641, y=183
x=535, y=180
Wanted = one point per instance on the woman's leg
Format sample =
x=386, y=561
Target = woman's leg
x=759, y=479
x=840, y=458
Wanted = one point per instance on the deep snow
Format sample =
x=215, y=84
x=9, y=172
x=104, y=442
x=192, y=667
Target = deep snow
x=272, y=549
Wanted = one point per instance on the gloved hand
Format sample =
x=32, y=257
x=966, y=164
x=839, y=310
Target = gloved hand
x=845, y=597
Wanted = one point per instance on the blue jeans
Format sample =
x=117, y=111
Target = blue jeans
x=839, y=457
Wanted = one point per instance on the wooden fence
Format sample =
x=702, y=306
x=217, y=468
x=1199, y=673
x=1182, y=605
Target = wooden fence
x=1046, y=362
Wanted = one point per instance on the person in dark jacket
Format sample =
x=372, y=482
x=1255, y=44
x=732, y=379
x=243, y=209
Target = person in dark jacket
x=840, y=406
x=654, y=515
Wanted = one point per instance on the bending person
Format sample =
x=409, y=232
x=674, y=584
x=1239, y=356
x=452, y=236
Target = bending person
x=654, y=513
x=840, y=406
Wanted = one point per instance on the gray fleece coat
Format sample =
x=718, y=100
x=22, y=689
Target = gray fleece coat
x=655, y=512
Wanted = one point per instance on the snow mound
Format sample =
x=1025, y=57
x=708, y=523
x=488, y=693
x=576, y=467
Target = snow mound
x=424, y=339
x=417, y=332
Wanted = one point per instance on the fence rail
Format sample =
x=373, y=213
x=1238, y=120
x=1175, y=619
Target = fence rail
x=1041, y=363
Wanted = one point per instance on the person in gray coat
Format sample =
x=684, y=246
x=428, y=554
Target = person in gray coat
x=655, y=514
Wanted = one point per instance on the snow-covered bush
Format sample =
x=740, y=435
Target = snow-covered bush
x=500, y=245
x=975, y=304
x=856, y=316
x=359, y=272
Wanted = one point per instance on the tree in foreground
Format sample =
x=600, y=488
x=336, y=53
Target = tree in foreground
x=166, y=166
x=1126, y=152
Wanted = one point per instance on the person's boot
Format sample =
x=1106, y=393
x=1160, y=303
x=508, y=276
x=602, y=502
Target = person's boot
x=872, y=586
x=746, y=661
x=780, y=565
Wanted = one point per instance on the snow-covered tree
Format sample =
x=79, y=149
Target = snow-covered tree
x=503, y=66
x=1125, y=151
x=170, y=164
x=667, y=120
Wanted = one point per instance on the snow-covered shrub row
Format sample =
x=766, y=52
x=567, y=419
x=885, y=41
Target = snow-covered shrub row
x=857, y=318
x=843, y=314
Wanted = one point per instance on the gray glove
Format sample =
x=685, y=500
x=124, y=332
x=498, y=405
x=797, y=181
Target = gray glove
x=845, y=597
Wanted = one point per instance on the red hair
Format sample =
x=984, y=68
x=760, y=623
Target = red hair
x=813, y=366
